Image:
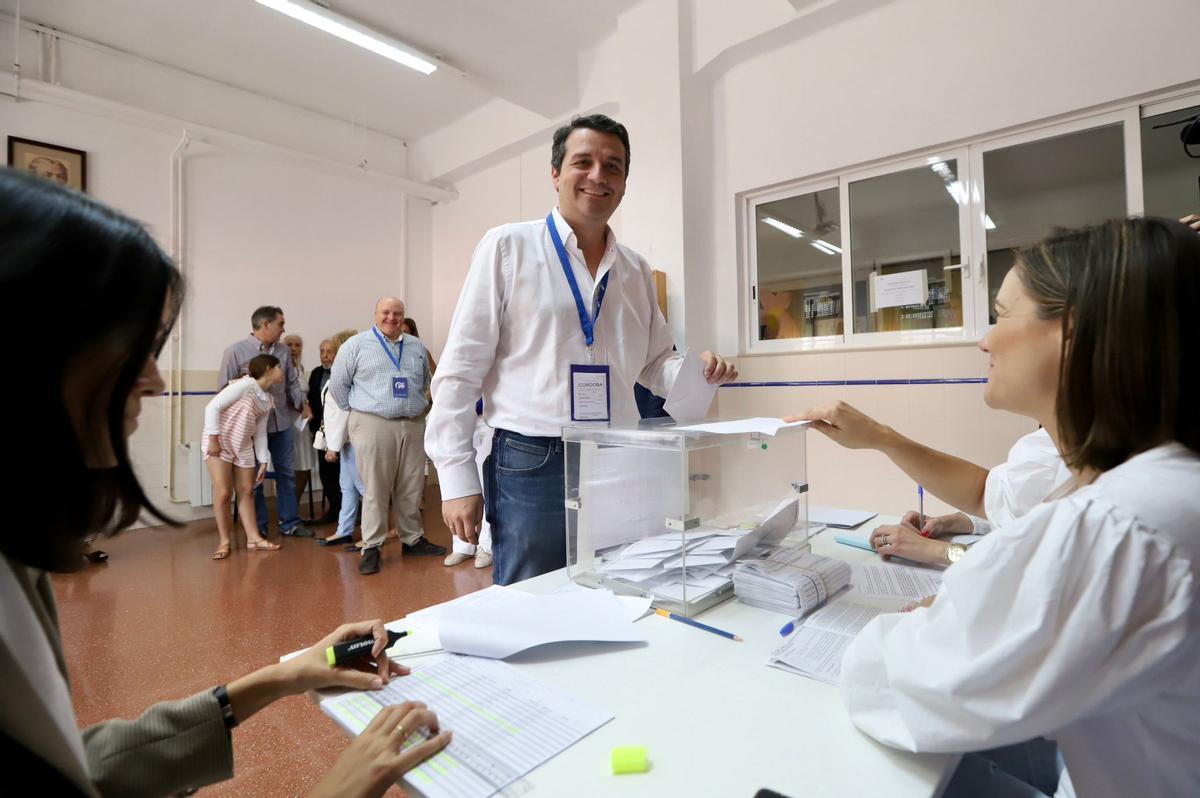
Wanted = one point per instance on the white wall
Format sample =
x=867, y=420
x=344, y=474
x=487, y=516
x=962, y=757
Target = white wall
x=264, y=223
x=766, y=95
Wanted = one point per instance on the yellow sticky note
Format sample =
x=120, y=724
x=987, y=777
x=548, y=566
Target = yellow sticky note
x=629, y=759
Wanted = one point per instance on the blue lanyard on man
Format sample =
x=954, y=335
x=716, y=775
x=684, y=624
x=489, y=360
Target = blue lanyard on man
x=399, y=383
x=585, y=321
x=590, y=400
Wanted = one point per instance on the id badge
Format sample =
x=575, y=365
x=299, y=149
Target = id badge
x=589, y=393
x=400, y=387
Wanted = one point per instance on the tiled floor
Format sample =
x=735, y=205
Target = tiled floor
x=161, y=620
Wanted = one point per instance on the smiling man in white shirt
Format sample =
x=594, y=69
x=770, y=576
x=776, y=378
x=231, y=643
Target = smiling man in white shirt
x=556, y=323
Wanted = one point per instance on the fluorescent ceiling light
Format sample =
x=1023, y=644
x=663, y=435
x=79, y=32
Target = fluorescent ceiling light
x=824, y=246
x=347, y=29
x=988, y=224
x=778, y=225
x=956, y=190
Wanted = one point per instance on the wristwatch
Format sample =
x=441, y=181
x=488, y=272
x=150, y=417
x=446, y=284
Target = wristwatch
x=954, y=553
x=222, y=697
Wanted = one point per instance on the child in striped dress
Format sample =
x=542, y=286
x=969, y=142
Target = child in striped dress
x=235, y=434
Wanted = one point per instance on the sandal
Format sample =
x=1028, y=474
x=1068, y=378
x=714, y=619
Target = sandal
x=262, y=545
x=222, y=552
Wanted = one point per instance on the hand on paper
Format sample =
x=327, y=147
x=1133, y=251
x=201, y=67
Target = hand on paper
x=311, y=671
x=306, y=412
x=903, y=540
x=463, y=517
x=845, y=425
x=718, y=370
x=925, y=602
x=376, y=759
x=261, y=475
x=331, y=456
x=938, y=525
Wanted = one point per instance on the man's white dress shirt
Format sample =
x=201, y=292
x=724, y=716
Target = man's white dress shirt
x=516, y=332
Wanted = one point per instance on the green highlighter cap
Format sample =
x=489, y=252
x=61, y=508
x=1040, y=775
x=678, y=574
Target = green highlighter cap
x=629, y=759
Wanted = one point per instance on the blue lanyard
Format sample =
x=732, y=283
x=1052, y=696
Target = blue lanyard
x=585, y=321
x=382, y=342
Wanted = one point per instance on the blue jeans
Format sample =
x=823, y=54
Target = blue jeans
x=523, y=499
x=1025, y=770
x=280, y=444
x=352, y=490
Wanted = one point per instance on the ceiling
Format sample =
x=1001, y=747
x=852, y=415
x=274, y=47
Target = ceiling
x=525, y=52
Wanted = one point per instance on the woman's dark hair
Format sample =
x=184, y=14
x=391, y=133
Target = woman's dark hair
x=597, y=122
x=78, y=281
x=1125, y=291
x=261, y=364
x=412, y=325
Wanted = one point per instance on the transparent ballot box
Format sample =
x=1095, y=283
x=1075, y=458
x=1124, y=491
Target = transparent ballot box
x=661, y=511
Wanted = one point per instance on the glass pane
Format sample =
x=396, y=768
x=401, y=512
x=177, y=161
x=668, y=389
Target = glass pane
x=1171, y=171
x=799, y=266
x=907, y=223
x=1066, y=181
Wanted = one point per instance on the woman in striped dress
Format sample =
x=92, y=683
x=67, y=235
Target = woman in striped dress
x=235, y=436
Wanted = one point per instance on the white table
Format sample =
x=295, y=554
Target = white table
x=715, y=720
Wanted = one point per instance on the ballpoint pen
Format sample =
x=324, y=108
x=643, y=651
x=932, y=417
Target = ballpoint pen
x=921, y=510
x=698, y=625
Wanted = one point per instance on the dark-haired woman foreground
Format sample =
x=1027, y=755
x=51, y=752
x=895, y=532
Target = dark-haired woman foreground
x=102, y=298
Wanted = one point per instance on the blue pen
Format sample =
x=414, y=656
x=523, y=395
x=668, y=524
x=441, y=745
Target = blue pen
x=789, y=627
x=697, y=624
x=921, y=508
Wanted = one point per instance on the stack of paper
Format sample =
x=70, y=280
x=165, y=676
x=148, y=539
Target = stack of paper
x=500, y=621
x=815, y=649
x=790, y=581
x=697, y=562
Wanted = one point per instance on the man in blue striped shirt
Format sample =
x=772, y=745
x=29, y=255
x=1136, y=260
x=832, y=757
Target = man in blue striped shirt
x=381, y=377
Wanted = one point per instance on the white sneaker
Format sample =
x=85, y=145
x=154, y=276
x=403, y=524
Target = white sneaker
x=483, y=558
x=455, y=557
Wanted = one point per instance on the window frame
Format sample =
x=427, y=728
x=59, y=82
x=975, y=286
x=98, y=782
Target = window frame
x=972, y=233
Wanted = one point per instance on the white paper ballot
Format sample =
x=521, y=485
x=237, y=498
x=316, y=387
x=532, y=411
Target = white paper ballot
x=837, y=517
x=505, y=722
x=890, y=580
x=501, y=628
x=815, y=649
x=767, y=426
x=691, y=395
x=773, y=529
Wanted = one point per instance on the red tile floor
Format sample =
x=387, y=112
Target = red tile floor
x=161, y=620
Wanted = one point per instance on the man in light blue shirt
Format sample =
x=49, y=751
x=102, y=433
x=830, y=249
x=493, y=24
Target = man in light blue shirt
x=381, y=376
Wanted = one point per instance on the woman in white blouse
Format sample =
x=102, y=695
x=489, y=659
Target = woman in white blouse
x=1079, y=620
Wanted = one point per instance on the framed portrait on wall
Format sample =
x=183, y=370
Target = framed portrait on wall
x=62, y=165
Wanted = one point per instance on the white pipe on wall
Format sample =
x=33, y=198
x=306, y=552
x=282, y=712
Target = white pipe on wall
x=175, y=411
x=17, y=55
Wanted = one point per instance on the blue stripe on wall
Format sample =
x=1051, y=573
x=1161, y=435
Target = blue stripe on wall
x=798, y=383
x=828, y=383
x=791, y=384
